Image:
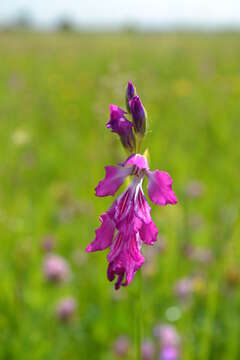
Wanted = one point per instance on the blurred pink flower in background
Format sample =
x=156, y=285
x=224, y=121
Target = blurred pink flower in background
x=194, y=189
x=203, y=256
x=147, y=350
x=121, y=346
x=195, y=221
x=48, y=243
x=66, y=308
x=198, y=254
x=56, y=268
x=169, y=353
x=169, y=341
x=184, y=288
x=167, y=335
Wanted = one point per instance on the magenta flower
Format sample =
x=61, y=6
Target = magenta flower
x=123, y=127
x=128, y=223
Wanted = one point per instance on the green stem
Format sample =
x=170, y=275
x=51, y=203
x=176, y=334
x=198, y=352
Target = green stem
x=139, y=317
x=138, y=143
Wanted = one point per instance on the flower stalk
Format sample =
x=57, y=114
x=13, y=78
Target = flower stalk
x=139, y=322
x=139, y=140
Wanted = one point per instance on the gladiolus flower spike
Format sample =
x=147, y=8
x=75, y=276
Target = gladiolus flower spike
x=127, y=224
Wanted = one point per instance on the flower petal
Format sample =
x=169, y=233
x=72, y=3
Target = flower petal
x=123, y=205
x=126, y=260
x=134, y=257
x=148, y=233
x=117, y=121
x=116, y=247
x=116, y=270
x=116, y=111
x=141, y=206
x=115, y=175
x=160, y=188
x=131, y=223
x=136, y=159
x=104, y=235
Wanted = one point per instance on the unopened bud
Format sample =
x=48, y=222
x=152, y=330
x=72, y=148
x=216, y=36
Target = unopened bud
x=139, y=115
x=130, y=93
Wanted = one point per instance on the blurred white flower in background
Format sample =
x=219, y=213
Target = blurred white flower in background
x=20, y=137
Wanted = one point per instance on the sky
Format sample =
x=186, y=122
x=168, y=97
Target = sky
x=115, y=12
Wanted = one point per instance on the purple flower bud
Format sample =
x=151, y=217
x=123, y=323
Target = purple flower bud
x=65, y=309
x=123, y=127
x=138, y=114
x=55, y=268
x=121, y=346
x=130, y=93
x=147, y=350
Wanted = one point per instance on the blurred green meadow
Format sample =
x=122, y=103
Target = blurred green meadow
x=55, y=90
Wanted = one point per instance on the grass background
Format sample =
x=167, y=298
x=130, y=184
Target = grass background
x=55, y=90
